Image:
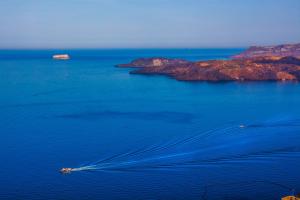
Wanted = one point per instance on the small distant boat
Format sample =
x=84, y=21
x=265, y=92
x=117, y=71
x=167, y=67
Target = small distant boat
x=66, y=170
x=61, y=57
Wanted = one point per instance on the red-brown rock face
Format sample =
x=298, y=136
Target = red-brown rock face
x=264, y=68
x=275, y=51
x=153, y=62
x=255, y=69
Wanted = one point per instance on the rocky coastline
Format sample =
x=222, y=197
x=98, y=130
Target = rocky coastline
x=275, y=63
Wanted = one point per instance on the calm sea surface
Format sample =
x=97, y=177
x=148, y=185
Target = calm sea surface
x=56, y=114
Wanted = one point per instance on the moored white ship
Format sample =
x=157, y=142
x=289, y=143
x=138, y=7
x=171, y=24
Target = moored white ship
x=61, y=57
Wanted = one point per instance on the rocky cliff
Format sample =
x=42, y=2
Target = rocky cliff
x=153, y=62
x=276, y=51
x=272, y=67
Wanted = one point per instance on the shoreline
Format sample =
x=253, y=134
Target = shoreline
x=277, y=63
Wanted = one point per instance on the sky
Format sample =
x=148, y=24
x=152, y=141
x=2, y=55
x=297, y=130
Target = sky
x=147, y=23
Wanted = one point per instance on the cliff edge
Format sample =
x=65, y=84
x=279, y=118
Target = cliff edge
x=279, y=63
x=275, y=51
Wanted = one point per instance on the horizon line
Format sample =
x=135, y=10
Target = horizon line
x=124, y=48
x=147, y=47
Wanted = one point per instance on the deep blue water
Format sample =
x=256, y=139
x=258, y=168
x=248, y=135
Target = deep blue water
x=56, y=114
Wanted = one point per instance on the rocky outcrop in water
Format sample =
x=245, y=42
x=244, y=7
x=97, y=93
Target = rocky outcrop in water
x=153, y=62
x=252, y=68
x=276, y=51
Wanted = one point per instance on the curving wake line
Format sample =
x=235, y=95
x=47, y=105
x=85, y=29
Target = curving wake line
x=165, y=156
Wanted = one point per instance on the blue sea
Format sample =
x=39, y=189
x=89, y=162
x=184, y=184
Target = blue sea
x=66, y=113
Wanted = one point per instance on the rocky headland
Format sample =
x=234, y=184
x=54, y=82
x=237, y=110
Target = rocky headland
x=264, y=51
x=276, y=63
